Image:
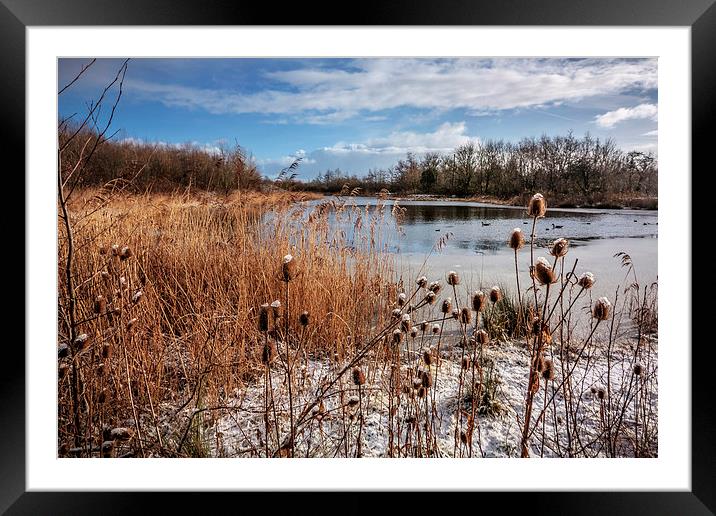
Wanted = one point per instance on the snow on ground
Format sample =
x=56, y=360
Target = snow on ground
x=333, y=431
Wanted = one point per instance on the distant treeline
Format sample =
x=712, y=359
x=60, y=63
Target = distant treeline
x=586, y=171
x=159, y=167
x=571, y=170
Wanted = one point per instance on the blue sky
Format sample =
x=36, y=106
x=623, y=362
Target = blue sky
x=356, y=114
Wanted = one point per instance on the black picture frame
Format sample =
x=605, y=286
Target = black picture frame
x=700, y=15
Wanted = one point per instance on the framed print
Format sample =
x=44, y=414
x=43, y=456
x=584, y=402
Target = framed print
x=422, y=253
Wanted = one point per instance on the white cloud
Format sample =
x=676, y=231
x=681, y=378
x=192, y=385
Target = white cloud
x=444, y=139
x=329, y=95
x=269, y=164
x=653, y=133
x=642, y=111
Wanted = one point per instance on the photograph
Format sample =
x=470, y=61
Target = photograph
x=357, y=257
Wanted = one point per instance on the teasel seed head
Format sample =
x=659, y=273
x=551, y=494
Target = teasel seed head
x=264, y=317
x=426, y=379
x=427, y=357
x=125, y=253
x=414, y=331
x=100, y=304
x=638, y=369
x=417, y=382
x=62, y=370
x=358, y=376
x=276, y=309
x=396, y=313
x=81, y=342
x=102, y=397
x=121, y=434
x=422, y=282
x=106, y=350
x=421, y=392
x=463, y=437
x=543, y=272
x=537, y=206
x=137, y=296
x=304, y=318
x=517, y=239
x=478, y=301
x=601, y=393
x=269, y=352
x=456, y=314
x=431, y=297
x=115, y=249
x=397, y=336
x=100, y=369
x=593, y=389
x=586, y=280
x=436, y=328
x=446, y=306
x=424, y=326
x=465, y=315
x=495, y=294
x=102, y=249
x=453, y=278
x=107, y=449
x=402, y=298
x=288, y=268
x=405, y=323
x=63, y=350
x=482, y=337
x=559, y=247
x=353, y=401
x=105, y=275
x=548, y=371
x=435, y=287
x=602, y=308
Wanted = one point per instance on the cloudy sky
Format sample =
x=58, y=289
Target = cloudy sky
x=356, y=114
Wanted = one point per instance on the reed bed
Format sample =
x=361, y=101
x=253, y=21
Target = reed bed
x=249, y=325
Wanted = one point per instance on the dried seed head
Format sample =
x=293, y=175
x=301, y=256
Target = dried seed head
x=81, y=342
x=482, y=337
x=446, y=306
x=405, y=323
x=121, y=433
x=421, y=392
x=424, y=326
x=353, y=401
x=269, y=353
x=463, y=437
x=436, y=328
x=495, y=294
x=304, y=318
x=426, y=379
x=264, y=317
x=414, y=331
x=601, y=310
x=435, y=287
x=601, y=393
x=137, y=296
x=593, y=389
x=427, y=357
x=106, y=350
x=396, y=313
x=358, y=376
x=586, y=280
x=102, y=249
x=638, y=369
x=456, y=314
x=397, y=336
x=100, y=304
x=63, y=350
x=431, y=297
x=107, y=448
x=105, y=275
x=478, y=301
x=453, y=278
x=548, y=371
x=517, y=239
x=465, y=315
x=62, y=370
x=537, y=206
x=417, y=382
x=102, y=397
x=422, y=282
x=543, y=272
x=559, y=247
x=115, y=249
x=125, y=253
x=276, y=309
x=465, y=364
x=402, y=298
x=100, y=369
x=288, y=268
